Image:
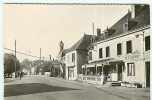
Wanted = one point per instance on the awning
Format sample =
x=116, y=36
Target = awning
x=103, y=62
x=88, y=65
x=116, y=61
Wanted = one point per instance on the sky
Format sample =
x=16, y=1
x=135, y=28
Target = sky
x=43, y=26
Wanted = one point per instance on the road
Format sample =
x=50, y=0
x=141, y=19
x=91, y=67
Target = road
x=49, y=88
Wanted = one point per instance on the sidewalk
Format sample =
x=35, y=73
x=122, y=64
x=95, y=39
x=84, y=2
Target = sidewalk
x=122, y=92
x=8, y=80
x=68, y=81
x=129, y=93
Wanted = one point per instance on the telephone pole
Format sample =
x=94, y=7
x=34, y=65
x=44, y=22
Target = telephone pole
x=93, y=33
x=15, y=58
x=40, y=53
x=93, y=28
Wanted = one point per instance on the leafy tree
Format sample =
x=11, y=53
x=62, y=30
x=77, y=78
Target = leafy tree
x=26, y=64
x=9, y=63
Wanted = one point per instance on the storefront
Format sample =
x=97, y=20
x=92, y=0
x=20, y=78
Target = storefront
x=109, y=69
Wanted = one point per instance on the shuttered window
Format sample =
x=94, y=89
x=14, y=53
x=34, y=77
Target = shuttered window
x=131, y=69
x=108, y=51
x=129, y=46
x=100, y=53
x=119, y=51
x=147, y=43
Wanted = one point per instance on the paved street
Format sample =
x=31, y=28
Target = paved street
x=49, y=88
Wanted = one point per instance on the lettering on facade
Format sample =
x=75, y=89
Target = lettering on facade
x=147, y=56
x=135, y=56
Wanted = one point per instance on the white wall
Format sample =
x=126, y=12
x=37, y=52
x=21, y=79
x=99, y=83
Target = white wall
x=68, y=59
x=69, y=63
x=136, y=56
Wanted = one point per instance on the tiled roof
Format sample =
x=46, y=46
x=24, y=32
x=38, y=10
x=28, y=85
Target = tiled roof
x=141, y=19
x=118, y=26
x=81, y=44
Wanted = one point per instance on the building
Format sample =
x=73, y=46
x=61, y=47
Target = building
x=56, y=69
x=75, y=56
x=122, y=52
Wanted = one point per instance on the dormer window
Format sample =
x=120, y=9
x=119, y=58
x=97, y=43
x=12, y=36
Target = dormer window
x=125, y=27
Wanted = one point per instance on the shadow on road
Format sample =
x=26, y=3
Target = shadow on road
x=7, y=80
x=24, y=89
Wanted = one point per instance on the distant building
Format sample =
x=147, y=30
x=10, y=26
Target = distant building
x=56, y=69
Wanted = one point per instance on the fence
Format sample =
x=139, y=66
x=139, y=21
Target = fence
x=91, y=79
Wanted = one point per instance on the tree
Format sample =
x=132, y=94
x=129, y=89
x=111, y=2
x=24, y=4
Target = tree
x=26, y=64
x=9, y=63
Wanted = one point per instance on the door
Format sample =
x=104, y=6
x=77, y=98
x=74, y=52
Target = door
x=147, y=65
x=119, y=72
x=71, y=73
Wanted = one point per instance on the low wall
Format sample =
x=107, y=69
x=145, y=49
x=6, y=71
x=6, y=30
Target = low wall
x=91, y=79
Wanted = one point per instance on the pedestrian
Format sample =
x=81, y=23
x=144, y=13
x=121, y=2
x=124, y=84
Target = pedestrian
x=21, y=75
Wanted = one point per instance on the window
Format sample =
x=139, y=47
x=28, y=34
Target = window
x=119, y=51
x=107, y=51
x=129, y=46
x=100, y=53
x=131, y=69
x=68, y=58
x=73, y=57
x=125, y=27
x=147, y=43
x=90, y=55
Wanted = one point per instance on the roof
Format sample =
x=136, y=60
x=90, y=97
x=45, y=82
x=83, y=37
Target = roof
x=81, y=44
x=118, y=26
x=141, y=19
x=115, y=29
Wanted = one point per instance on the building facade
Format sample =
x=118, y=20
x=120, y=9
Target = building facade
x=123, y=58
x=122, y=52
x=75, y=56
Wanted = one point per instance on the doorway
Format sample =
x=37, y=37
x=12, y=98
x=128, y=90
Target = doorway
x=147, y=65
x=70, y=73
x=119, y=72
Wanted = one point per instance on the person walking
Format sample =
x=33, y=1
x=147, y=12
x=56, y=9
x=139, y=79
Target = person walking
x=21, y=75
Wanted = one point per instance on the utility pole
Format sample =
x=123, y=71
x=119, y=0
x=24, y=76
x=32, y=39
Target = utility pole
x=93, y=32
x=15, y=58
x=40, y=53
x=40, y=61
x=93, y=28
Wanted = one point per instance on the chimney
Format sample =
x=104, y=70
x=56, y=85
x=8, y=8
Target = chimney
x=98, y=32
x=132, y=11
